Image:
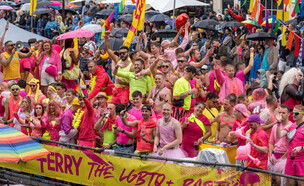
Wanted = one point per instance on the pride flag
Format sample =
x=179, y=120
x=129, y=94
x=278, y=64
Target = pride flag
x=138, y=21
x=109, y=20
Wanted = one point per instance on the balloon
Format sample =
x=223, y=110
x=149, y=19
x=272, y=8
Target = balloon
x=181, y=21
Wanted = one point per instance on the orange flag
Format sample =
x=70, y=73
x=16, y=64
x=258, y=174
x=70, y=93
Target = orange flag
x=285, y=2
x=290, y=40
x=255, y=9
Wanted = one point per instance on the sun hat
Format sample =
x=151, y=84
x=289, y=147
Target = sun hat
x=241, y=108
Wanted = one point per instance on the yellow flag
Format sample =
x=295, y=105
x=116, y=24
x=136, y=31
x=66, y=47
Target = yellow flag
x=286, y=16
x=283, y=37
x=142, y=17
x=251, y=5
x=279, y=2
x=33, y=5
x=137, y=23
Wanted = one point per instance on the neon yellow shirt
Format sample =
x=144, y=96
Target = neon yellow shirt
x=182, y=86
x=126, y=69
x=143, y=84
x=211, y=114
x=12, y=71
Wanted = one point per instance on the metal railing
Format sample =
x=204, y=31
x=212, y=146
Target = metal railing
x=146, y=157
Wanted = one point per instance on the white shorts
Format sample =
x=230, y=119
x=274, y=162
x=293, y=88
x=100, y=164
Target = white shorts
x=46, y=79
x=282, y=65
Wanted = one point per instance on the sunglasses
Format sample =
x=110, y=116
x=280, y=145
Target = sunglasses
x=180, y=61
x=15, y=89
x=165, y=66
x=297, y=113
x=32, y=85
x=11, y=45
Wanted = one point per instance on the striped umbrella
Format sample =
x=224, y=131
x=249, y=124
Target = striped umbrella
x=16, y=146
x=251, y=22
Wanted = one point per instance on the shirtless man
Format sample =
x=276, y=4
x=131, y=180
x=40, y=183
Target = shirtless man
x=121, y=91
x=159, y=95
x=226, y=120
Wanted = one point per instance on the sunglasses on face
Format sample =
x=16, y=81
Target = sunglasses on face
x=297, y=113
x=32, y=85
x=15, y=89
x=11, y=45
x=165, y=66
x=180, y=61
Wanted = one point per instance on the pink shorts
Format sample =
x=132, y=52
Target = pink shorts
x=120, y=95
x=294, y=168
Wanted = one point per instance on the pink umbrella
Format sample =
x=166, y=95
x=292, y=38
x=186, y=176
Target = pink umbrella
x=76, y=33
x=5, y=7
x=55, y=3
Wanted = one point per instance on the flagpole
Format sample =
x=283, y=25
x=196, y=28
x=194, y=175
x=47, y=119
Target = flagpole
x=173, y=13
x=32, y=19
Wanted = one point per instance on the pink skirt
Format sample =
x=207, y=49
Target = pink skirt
x=169, y=153
x=278, y=167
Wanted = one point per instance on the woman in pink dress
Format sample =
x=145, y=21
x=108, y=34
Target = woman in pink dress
x=51, y=122
x=70, y=68
x=168, y=136
x=196, y=128
x=36, y=122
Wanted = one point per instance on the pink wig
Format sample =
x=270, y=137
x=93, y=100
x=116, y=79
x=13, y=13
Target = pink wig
x=57, y=109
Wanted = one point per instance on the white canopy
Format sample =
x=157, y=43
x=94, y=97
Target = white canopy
x=127, y=2
x=15, y=33
x=167, y=5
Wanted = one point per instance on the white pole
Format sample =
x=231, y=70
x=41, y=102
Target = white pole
x=32, y=18
x=271, y=7
x=173, y=13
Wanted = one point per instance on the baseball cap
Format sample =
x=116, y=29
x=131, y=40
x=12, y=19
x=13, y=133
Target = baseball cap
x=255, y=118
x=241, y=108
x=147, y=107
x=204, y=67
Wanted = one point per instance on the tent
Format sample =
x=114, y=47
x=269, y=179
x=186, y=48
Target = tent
x=168, y=5
x=127, y=2
x=15, y=33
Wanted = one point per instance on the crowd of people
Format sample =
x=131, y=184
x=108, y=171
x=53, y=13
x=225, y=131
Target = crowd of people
x=163, y=97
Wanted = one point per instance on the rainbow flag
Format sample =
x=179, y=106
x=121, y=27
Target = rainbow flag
x=109, y=20
x=16, y=146
x=138, y=21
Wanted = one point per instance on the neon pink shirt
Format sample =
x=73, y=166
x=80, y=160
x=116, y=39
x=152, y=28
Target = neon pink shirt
x=280, y=145
x=298, y=140
x=25, y=63
x=261, y=139
x=236, y=126
x=240, y=53
x=121, y=137
x=137, y=113
x=241, y=76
